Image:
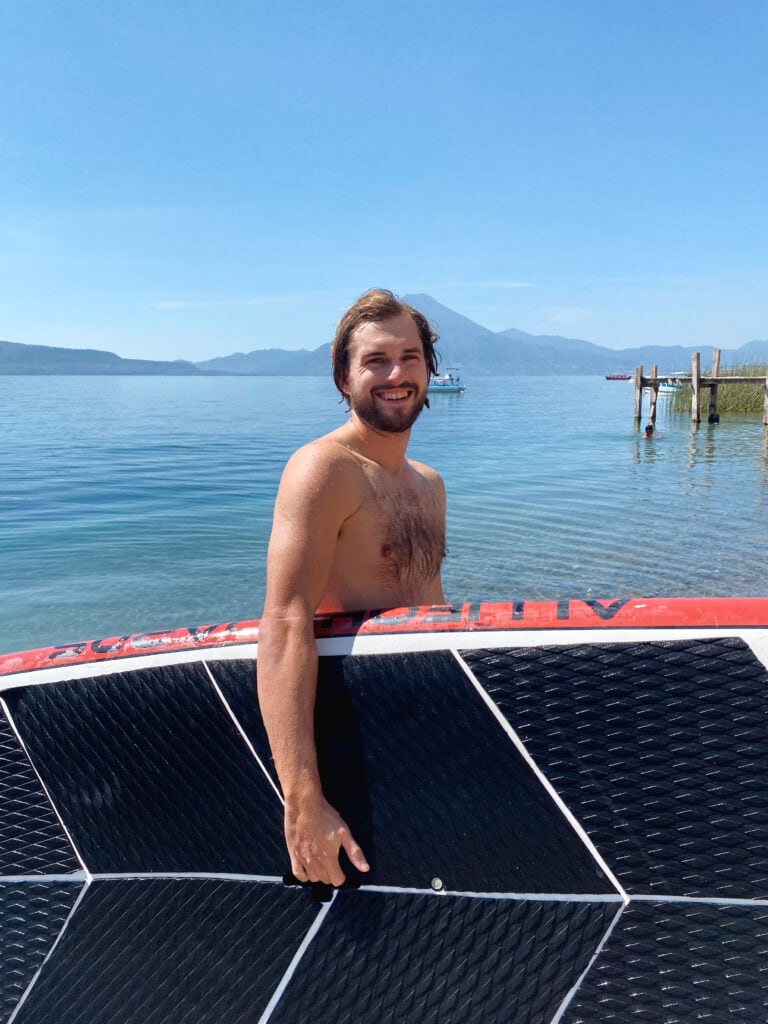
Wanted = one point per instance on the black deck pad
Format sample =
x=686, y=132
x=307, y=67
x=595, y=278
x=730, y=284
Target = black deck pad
x=677, y=963
x=428, y=780
x=171, y=951
x=149, y=773
x=410, y=959
x=32, y=840
x=657, y=748
x=32, y=915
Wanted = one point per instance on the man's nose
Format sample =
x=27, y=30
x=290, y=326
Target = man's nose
x=396, y=371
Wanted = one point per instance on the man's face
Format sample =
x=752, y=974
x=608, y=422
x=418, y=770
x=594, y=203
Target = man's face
x=387, y=379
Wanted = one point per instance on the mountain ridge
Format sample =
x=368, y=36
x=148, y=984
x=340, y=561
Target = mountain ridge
x=477, y=350
x=17, y=359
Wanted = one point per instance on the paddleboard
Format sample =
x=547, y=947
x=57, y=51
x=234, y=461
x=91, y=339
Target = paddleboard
x=564, y=805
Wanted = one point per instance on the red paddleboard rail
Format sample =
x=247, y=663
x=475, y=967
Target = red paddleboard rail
x=622, y=613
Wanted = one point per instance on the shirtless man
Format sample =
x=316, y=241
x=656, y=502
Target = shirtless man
x=357, y=526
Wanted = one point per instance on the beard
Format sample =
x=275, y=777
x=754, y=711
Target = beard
x=394, y=420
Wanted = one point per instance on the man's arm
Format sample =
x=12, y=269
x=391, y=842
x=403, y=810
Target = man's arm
x=319, y=490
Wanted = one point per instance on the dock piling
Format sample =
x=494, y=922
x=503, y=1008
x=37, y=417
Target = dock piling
x=714, y=416
x=654, y=396
x=638, y=393
x=695, y=387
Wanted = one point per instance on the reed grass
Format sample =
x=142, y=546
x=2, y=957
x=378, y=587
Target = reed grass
x=732, y=399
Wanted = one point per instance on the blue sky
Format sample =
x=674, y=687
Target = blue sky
x=190, y=178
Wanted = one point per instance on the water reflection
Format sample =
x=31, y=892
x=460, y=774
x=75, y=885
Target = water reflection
x=710, y=442
x=761, y=458
x=645, y=449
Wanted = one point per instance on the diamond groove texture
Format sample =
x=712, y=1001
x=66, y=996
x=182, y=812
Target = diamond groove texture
x=399, y=959
x=679, y=963
x=150, y=774
x=431, y=785
x=32, y=840
x=658, y=749
x=31, y=917
x=171, y=951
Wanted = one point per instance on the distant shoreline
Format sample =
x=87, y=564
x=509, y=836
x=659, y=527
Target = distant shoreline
x=474, y=349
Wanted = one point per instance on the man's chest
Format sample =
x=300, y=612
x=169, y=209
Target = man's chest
x=401, y=526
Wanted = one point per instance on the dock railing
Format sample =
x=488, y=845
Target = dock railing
x=696, y=382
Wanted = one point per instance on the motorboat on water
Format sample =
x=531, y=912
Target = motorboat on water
x=673, y=382
x=448, y=382
x=618, y=376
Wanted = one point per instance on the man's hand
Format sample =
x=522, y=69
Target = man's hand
x=314, y=834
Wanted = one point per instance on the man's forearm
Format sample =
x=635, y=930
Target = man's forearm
x=287, y=684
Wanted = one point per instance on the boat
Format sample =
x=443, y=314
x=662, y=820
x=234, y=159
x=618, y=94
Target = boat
x=618, y=376
x=672, y=383
x=562, y=803
x=448, y=382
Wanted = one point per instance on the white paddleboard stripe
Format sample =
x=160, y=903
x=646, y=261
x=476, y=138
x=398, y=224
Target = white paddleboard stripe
x=523, y=750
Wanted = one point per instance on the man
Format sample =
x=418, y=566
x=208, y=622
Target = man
x=357, y=526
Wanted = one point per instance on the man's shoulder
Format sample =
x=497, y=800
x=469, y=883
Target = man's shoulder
x=426, y=471
x=328, y=449
x=432, y=480
x=323, y=462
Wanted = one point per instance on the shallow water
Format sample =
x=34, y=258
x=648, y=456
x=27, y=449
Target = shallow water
x=145, y=502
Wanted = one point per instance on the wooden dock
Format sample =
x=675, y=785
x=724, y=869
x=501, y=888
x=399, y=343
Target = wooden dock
x=696, y=382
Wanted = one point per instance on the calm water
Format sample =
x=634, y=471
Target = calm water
x=145, y=503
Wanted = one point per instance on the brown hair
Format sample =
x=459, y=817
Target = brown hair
x=373, y=306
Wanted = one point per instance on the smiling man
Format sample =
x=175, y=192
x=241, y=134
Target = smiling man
x=357, y=526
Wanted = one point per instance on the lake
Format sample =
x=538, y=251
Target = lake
x=133, y=503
